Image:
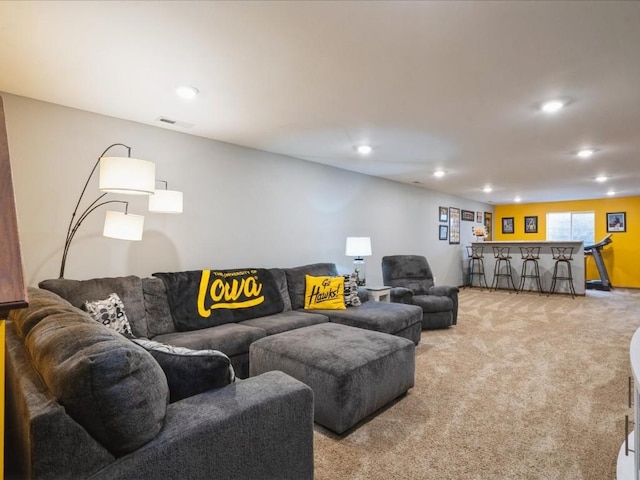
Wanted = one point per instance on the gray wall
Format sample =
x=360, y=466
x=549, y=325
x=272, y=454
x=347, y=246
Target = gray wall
x=243, y=207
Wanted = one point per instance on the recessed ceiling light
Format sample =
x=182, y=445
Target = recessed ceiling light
x=438, y=173
x=487, y=189
x=611, y=193
x=552, y=106
x=601, y=178
x=187, y=91
x=585, y=152
x=364, y=149
x=517, y=199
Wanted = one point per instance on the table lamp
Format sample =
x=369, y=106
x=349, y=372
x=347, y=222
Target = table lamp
x=359, y=247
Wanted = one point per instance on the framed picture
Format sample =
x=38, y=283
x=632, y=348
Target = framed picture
x=454, y=226
x=531, y=224
x=444, y=232
x=444, y=214
x=468, y=215
x=478, y=217
x=617, y=222
x=508, y=225
x=487, y=225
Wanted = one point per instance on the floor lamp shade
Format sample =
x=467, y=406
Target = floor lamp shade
x=127, y=175
x=123, y=226
x=166, y=201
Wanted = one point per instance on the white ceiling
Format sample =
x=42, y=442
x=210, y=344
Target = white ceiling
x=451, y=85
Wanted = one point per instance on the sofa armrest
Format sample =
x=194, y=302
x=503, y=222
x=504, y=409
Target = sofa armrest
x=401, y=295
x=452, y=293
x=259, y=428
x=443, y=290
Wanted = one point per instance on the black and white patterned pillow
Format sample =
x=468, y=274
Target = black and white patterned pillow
x=351, y=298
x=110, y=313
x=190, y=372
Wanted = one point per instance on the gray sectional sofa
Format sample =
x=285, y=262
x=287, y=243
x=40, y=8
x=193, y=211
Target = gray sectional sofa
x=85, y=402
x=147, y=306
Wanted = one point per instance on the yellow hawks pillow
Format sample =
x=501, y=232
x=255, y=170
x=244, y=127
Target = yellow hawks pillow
x=324, y=293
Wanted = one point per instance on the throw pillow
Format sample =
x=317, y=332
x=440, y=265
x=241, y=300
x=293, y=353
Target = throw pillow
x=324, y=293
x=351, y=298
x=190, y=372
x=110, y=313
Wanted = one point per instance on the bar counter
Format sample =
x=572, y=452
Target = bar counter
x=546, y=264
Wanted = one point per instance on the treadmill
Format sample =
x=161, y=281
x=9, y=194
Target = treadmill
x=595, y=250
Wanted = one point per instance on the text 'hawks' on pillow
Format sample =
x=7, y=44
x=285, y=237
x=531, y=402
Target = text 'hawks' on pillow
x=110, y=313
x=351, y=298
x=190, y=372
x=324, y=293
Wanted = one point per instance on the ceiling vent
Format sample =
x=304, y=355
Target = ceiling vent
x=176, y=123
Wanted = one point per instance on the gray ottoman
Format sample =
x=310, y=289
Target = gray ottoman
x=352, y=372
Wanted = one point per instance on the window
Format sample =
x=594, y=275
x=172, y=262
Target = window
x=571, y=226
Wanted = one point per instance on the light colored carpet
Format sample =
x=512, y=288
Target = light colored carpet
x=525, y=387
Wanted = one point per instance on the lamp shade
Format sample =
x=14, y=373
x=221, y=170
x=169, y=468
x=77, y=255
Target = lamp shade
x=123, y=226
x=127, y=175
x=166, y=201
x=358, y=247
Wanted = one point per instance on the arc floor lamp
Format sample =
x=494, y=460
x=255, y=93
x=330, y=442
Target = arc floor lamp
x=124, y=175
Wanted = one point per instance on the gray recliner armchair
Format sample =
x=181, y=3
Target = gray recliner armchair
x=411, y=281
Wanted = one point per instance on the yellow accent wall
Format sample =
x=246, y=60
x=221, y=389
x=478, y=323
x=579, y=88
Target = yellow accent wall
x=622, y=257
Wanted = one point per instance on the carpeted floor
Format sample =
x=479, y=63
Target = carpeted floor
x=525, y=387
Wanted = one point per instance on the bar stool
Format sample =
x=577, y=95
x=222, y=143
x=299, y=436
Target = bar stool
x=502, y=256
x=476, y=265
x=530, y=257
x=562, y=255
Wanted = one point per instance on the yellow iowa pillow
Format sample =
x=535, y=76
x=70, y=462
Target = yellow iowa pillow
x=325, y=293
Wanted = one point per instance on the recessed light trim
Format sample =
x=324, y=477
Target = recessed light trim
x=553, y=106
x=487, y=189
x=585, y=152
x=364, y=149
x=601, y=178
x=438, y=173
x=187, y=91
x=517, y=199
x=611, y=193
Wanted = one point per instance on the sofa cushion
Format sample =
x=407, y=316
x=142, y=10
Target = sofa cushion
x=190, y=372
x=111, y=387
x=129, y=289
x=285, y=321
x=231, y=339
x=207, y=298
x=281, y=280
x=156, y=305
x=296, y=281
x=324, y=293
x=110, y=313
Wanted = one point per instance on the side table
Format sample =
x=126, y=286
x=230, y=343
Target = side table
x=379, y=294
